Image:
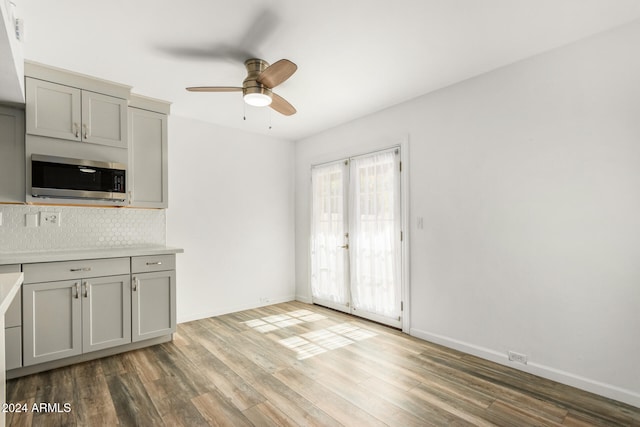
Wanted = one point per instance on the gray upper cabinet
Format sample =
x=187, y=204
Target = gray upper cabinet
x=148, y=181
x=104, y=119
x=12, y=155
x=64, y=109
x=65, y=112
x=53, y=110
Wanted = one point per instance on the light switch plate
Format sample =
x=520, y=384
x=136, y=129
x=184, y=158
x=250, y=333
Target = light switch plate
x=50, y=219
x=31, y=220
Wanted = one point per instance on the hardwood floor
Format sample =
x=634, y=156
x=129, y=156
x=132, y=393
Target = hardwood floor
x=296, y=364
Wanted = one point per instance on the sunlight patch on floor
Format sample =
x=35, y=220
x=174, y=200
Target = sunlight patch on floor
x=303, y=348
x=317, y=342
x=352, y=331
x=277, y=321
x=311, y=343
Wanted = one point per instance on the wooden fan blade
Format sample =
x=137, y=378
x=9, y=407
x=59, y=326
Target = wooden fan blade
x=214, y=89
x=281, y=105
x=277, y=73
x=214, y=52
x=264, y=23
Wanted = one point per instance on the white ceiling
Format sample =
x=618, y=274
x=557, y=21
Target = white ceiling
x=354, y=57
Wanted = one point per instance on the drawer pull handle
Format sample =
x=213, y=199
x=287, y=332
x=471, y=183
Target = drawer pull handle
x=80, y=269
x=155, y=263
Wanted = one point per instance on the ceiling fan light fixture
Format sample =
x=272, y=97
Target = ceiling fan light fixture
x=257, y=99
x=257, y=86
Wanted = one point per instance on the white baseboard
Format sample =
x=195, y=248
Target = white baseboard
x=305, y=300
x=606, y=390
x=219, y=311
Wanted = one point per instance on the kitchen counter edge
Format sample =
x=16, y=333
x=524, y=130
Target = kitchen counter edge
x=52, y=256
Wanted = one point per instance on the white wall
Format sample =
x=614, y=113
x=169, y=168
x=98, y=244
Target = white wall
x=231, y=209
x=528, y=180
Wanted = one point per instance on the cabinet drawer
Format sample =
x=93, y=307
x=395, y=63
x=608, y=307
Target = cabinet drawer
x=144, y=264
x=10, y=268
x=69, y=270
x=13, y=347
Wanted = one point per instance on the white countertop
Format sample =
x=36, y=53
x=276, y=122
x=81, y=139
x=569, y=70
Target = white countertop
x=9, y=287
x=52, y=255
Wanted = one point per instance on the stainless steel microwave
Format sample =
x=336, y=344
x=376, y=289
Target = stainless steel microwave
x=67, y=178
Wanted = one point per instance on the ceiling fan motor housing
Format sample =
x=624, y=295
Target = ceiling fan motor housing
x=250, y=84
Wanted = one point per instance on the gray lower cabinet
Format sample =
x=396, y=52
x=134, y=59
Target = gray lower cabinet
x=52, y=321
x=71, y=308
x=106, y=312
x=13, y=325
x=63, y=318
x=71, y=317
x=13, y=347
x=153, y=296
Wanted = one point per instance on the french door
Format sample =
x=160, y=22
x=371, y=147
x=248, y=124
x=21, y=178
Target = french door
x=356, y=236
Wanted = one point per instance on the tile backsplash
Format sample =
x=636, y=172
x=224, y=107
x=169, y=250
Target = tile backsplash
x=80, y=228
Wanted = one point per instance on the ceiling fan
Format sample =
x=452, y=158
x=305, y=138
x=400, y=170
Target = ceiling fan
x=257, y=86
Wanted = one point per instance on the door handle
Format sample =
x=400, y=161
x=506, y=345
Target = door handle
x=77, y=285
x=86, y=289
x=135, y=284
x=344, y=246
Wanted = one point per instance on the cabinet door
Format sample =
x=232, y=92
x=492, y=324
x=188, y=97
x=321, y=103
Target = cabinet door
x=51, y=321
x=153, y=304
x=13, y=347
x=148, y=158
x=13, y=316
x=53, y=110
x=12, y=159
x=106, y=312
x=104, y=119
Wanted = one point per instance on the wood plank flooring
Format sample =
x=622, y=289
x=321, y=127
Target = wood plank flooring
x=295, y=364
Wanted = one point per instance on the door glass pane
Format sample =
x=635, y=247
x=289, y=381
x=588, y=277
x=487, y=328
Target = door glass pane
x=328, y=230
x=375, y=234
